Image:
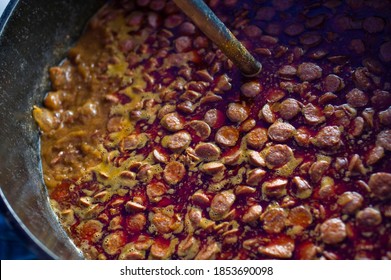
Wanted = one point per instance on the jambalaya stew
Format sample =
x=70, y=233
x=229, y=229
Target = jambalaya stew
x=154, y=146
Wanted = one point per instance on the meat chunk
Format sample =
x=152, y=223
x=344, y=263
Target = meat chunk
x=384, y=139
x=385, y=117
x=222, y=202
x=172, y=122
x=350, y=202
x=380, y=185
x=333, y=231
x=381, y=99
x=252, y=214
x=274, y=219
x=174, y=172
x=214, y=118
x=255, y=176
x=356, y=98
x=155, y=191
x=237, y=112
x=257, y=138
x=281, y=248
x=208, y=251
x=179, y=141
x=300, y=216
x=255, y=159
x=281, y=131
x=375, y=154
x=188, y=248
x=361, y=78
x=207, y=151
x=294, y=29
x=251, y=89
x=136, y=223
x=312, y=114
x=113, y=242
x=227, y=136
x=289, y=108
x=212, y=168
x=309, y=71
x=287, y=72
x=368, y=217
x=303, y=188
x=328, y=137
x=333, y=83
x=275, y=187
x=373, y=24
x=317, y=170
x=278, y=155
x=267, y=114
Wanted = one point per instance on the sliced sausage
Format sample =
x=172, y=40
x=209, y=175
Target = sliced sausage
x=289, y=108
x=384, y=139
x=328, y=137
x=375, y=154
x=252, y=214
x=300, y=216
x=113, y=242
x=212, y=168
x=303, y=188
x=309, y=71
x=256, y=138
x=294, y=29
x=179, y=141
x=267, y=114
x=281, y=131
x=214, y=118
x=317, y=170
x=237, y=112
x=333, y=83
x=274, y=95
x=207, y=151
x=274, y=219
x=287, y=72
x=368, y=217
x=255, y=176
x=373, y=24
x=350, y=202
x=313, y=115
x=222, y=202
x=281, y=248
x=381, y=99
x=255, y=159
x=227, y=136
x=278, y=155
x=201, y=128
x=174, y=172
x=172, y=122
x=333, y=231
x=380, y=185
x=275, y=187
x=385, y=117
x=310, y=39
x=155, y=191
x=361, y=78
x=251, y=89
x=136, y=223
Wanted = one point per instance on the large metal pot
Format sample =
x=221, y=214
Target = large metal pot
x=33, y=36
